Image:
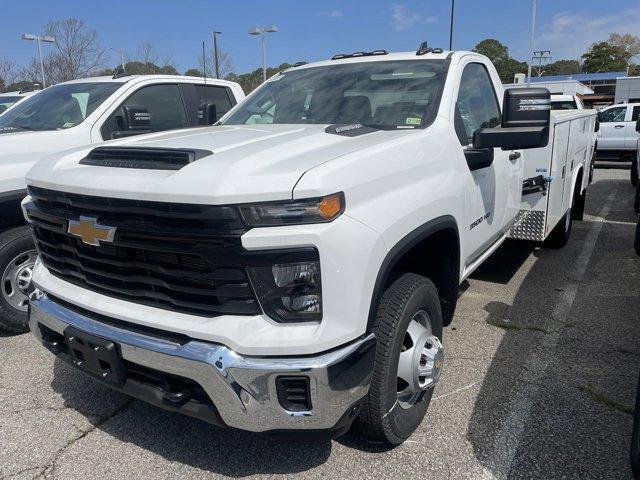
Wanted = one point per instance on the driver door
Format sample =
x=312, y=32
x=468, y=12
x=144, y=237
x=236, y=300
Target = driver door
x=491, y=188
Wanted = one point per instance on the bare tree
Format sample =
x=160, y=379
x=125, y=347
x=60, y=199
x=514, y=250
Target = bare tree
x=7, y=73
x=147, y=60
x=224, y=62
x=630, y=44
x=77, y=50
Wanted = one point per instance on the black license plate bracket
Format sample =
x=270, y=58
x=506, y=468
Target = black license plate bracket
x=95, y=355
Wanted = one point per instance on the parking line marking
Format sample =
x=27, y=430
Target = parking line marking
x=508, y=438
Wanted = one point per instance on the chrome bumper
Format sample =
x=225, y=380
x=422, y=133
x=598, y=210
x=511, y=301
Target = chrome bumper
x=242, y=389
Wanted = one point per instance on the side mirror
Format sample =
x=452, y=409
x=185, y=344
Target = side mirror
x=207, y=113
x=525, y=121
x=136, y=120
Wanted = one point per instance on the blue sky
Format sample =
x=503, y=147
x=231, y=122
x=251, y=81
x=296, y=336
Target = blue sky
x=313, y=30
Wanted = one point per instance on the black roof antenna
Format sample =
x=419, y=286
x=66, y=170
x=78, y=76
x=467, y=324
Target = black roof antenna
x=120, y=73
x=424, y=49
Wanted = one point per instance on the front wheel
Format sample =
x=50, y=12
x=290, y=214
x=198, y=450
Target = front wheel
x=408, y=363
x=17, y=257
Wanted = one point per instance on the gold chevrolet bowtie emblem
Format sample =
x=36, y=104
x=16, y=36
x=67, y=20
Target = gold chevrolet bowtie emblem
x=92, y=233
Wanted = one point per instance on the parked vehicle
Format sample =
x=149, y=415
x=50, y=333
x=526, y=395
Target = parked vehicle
x=76, y=113
x=637, y=185
x=618, y=135
x=566, y=102
x=292, y=269
x=9, y=99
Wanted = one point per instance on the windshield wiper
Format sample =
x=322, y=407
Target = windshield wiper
x=23, y=127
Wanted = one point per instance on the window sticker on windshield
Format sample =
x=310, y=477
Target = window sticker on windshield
x=413, y=121
x=68, y=125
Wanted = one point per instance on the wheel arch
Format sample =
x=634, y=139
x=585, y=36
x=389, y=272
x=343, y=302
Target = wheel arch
x=438, y=240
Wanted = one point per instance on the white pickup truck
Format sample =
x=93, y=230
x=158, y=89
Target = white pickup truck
x=292, y=269
x=618, y=136
x=77, y=113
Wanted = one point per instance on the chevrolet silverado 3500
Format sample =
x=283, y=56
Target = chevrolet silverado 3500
x=292, y=268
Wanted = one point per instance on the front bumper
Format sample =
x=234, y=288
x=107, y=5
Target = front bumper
x=234, y=390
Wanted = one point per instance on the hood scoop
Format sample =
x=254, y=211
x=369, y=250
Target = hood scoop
x=143, y=158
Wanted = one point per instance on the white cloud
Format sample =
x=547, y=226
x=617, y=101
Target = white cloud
x=404, y=19
x=569, y=34
x=331, y=13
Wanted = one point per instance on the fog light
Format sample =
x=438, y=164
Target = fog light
x=285, y=275
x=289, y=292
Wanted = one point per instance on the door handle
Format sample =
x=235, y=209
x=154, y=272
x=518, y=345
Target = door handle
x=619, y=126
x=513, y=156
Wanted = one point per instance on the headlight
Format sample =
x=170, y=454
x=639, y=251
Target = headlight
x=289, y=293
x=294, y=212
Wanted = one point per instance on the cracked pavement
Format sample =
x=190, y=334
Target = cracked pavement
x=541, y=368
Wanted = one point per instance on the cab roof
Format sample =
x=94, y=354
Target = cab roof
x=128, y=78
x=440, y=55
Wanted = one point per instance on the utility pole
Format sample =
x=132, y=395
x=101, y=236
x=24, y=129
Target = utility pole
x=453, y=3
x=215, y=52
x=540, y=56
x=533, y=34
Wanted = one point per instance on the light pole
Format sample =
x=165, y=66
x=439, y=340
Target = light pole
x=39, y=39
x=453, y=6
x=263, y=31
x=215, y=52
x=533, y=33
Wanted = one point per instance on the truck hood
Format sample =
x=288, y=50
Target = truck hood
x=29, y=143
x=248, y=163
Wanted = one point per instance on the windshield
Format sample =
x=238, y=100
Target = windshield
x=563, y=105
x=59, y=107
x=6, y=102
x=383, y=94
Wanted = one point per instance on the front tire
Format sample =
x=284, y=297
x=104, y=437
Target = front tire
x=17, y=257
x=408, y=362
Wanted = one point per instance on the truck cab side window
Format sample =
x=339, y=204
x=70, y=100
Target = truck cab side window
x=477, y=105
x=636, y=114
x=615, y=114
x=164, y=104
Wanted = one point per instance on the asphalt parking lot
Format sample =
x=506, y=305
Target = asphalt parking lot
x=541, y=367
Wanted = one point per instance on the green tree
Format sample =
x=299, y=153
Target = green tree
x=634, y=70
x=250, y=81
x=492, y=48
x=562, y=67
x=498, y=53
x=604, y=57
x=194, y=72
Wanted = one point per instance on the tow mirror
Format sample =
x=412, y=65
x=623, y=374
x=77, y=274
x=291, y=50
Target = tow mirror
x=135, y=120
x=525, y=121
x=207, y=113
